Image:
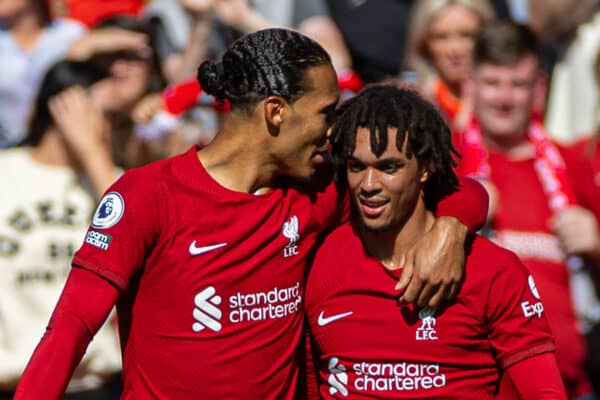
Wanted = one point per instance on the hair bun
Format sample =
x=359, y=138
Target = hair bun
x=211, y=78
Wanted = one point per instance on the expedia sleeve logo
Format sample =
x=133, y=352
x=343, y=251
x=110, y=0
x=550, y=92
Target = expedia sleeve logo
x=535, y=309
x=109, y=211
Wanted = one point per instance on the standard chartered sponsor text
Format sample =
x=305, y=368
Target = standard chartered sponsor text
x=260, y=306
x=397, y=376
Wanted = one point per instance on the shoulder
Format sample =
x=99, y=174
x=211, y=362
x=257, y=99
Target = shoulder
x=148, y=186
x=336, y=255
x=487, y=260
x=335, y=249
x=159, y=171
x=342, y=242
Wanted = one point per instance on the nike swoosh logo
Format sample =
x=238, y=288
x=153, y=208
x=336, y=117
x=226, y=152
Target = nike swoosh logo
x=195, y=251
x=322, y=321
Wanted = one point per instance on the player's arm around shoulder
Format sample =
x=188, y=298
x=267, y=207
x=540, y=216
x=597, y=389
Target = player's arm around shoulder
x=433, y=268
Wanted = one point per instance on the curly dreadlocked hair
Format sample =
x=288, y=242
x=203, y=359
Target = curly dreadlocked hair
x=426, y=134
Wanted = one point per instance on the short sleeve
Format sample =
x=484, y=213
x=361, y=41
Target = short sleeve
x=469, y=204
x=123, y=230
x=515, y=313
x=332, y=206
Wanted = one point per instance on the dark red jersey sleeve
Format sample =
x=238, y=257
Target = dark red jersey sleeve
x=537, y=378
x=84, y=305
x=333, y=205
x=469, y=204
x=123, y=229
x=514, y=311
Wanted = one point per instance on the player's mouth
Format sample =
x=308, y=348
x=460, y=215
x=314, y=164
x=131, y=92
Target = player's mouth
x=372, y=208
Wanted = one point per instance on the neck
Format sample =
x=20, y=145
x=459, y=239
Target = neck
x=27, y=26
x=239, y=147
x=390, y=246
x=52, y=150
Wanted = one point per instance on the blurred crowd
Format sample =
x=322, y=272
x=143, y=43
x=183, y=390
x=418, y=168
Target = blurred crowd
x=90, y=88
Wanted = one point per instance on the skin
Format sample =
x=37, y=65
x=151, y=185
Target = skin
x=387, y=192
x=277, y=139
x=384, y=189
x=504, y=98
x=450, y=44
x=9, y=9
x=283, y=139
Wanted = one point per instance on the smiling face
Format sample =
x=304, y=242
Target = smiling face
x=302, y=143
x=504, y=97
x=386, y=189
x=450, y=42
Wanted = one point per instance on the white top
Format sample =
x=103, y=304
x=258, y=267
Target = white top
x=44, y=215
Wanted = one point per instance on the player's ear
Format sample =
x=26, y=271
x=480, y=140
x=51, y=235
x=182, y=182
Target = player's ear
x=425, y=174
x=274, y=108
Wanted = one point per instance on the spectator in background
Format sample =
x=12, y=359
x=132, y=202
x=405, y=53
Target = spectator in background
x=440, y=49
x=583, y=159
x=507, y=148
x=49, y=190
x=175, y=238
x=375, y=32
x=196, y=29
x=30, y=42
x=124, y=45
x=395, y=152
x=573, y=95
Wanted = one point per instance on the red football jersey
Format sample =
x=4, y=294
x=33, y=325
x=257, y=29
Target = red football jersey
x=583, y=166
x=212, y=280
x=521, y=224
x=369, y=346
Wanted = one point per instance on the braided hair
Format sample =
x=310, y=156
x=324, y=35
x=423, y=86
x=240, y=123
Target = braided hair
x=261, y=64
x=427, y=136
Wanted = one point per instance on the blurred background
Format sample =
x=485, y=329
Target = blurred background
x=91, y=88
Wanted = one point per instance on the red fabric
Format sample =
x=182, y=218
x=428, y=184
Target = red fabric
x=549, y=165
x=312, y=383
x=91, y=12
x=81, y=310
x=182, y=305
x=469, y=205
x=231, y=315
x=521, y=224
x=533, y=378
x=369, y=345
x=583, y=166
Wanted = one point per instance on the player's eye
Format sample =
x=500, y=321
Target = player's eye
x=354, y=166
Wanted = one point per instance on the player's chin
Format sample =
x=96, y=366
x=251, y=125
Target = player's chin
x=374, y=226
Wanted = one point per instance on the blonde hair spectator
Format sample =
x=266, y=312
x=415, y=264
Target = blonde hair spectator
x=440, y=46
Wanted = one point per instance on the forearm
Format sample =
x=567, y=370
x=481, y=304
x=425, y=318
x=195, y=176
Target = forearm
x=323, y=30
x=544, y=383
x=469, y=204
x=184, y=65
x=100, y=170
x=82, y=308
x=55, y=358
